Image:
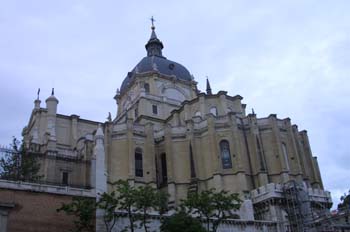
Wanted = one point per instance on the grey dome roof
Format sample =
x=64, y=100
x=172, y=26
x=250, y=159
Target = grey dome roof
x=155, y=61
x=162, y=65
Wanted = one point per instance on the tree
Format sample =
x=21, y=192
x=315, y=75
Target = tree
x=345, y=201
x=147, y=198
x=18, y=164
x=213, y=206
x=126, y=199
x=84, y=211
x=180, y=221
x=108, y=202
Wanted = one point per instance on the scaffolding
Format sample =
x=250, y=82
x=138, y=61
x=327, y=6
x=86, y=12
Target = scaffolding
x=304, y=214
x=294, y=207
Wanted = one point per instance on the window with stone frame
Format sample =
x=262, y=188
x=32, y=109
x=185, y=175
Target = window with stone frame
x=136, y=112
x=164, y=170
x=138, y=163
x=65, y=178
x=155, y=109
x=146, y=86
x=225, y=154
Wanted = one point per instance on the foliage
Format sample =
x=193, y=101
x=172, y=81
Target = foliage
x=108, y=202
x=181, y=222
x=19, y=164
x=127, y=201
x=147, y=198
x=345, y=201
x=213, y=206
x=84, y=211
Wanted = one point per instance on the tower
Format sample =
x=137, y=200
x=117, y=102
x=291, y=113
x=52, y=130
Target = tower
x=155, y=86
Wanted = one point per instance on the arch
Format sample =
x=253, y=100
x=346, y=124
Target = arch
x=197, y=114
x=168, y=86
x=138, y=162
x=225, y=154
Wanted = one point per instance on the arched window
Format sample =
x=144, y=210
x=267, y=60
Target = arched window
x=138, y=162
x=213, y=111
x=197, y=114
x=225, y=154
x=285, y=155
x=146, y=86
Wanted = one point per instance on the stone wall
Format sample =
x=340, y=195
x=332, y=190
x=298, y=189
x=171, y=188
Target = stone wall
x=32, y=207
x=227, y=226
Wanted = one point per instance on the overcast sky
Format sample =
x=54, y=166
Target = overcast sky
x=291, y=58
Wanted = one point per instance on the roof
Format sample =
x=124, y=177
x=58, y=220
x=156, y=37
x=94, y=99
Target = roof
x=160, y=64
x=155, y=61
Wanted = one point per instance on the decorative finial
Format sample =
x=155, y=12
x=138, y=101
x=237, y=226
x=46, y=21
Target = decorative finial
x=53, y=91
x=38, y=93
x=253, y=111
x=109, y=118
x=208, y=87
x=152, y=20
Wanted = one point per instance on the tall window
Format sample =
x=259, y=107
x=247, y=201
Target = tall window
x=285, y=155
x=136, y=112
x=138, y=163
x=225, y=154
x=164, y=171
x=146, y=86
x=154, y=109
x=65, y=178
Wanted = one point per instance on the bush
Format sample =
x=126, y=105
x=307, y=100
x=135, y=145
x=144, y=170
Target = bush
x=181, y=222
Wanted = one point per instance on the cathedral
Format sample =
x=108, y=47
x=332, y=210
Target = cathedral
x=169, y=134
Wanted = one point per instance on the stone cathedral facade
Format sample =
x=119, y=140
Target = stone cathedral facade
x=169, y=134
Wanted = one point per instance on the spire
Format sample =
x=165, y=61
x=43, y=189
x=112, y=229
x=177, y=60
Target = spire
x=53, y=92
x=37, y=101
x=38, y=94
x=208, y=87
x=154, y=46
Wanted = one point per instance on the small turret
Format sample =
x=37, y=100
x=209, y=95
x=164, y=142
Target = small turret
x=51, y=106
x=98, y=173
x=37, y=101
x=51, y=103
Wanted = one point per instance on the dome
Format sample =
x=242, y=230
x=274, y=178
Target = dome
x=162, y=65
x=155, y=61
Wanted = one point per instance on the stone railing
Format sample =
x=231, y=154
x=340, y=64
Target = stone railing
x=46, y=188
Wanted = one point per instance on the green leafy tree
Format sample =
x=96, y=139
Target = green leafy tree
x=212, y=206
x=146, y=199
x=126, y=198
x=109, y=202
x=19, y=164
x=84, y=211
x=345, y=201
x=181, y=221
